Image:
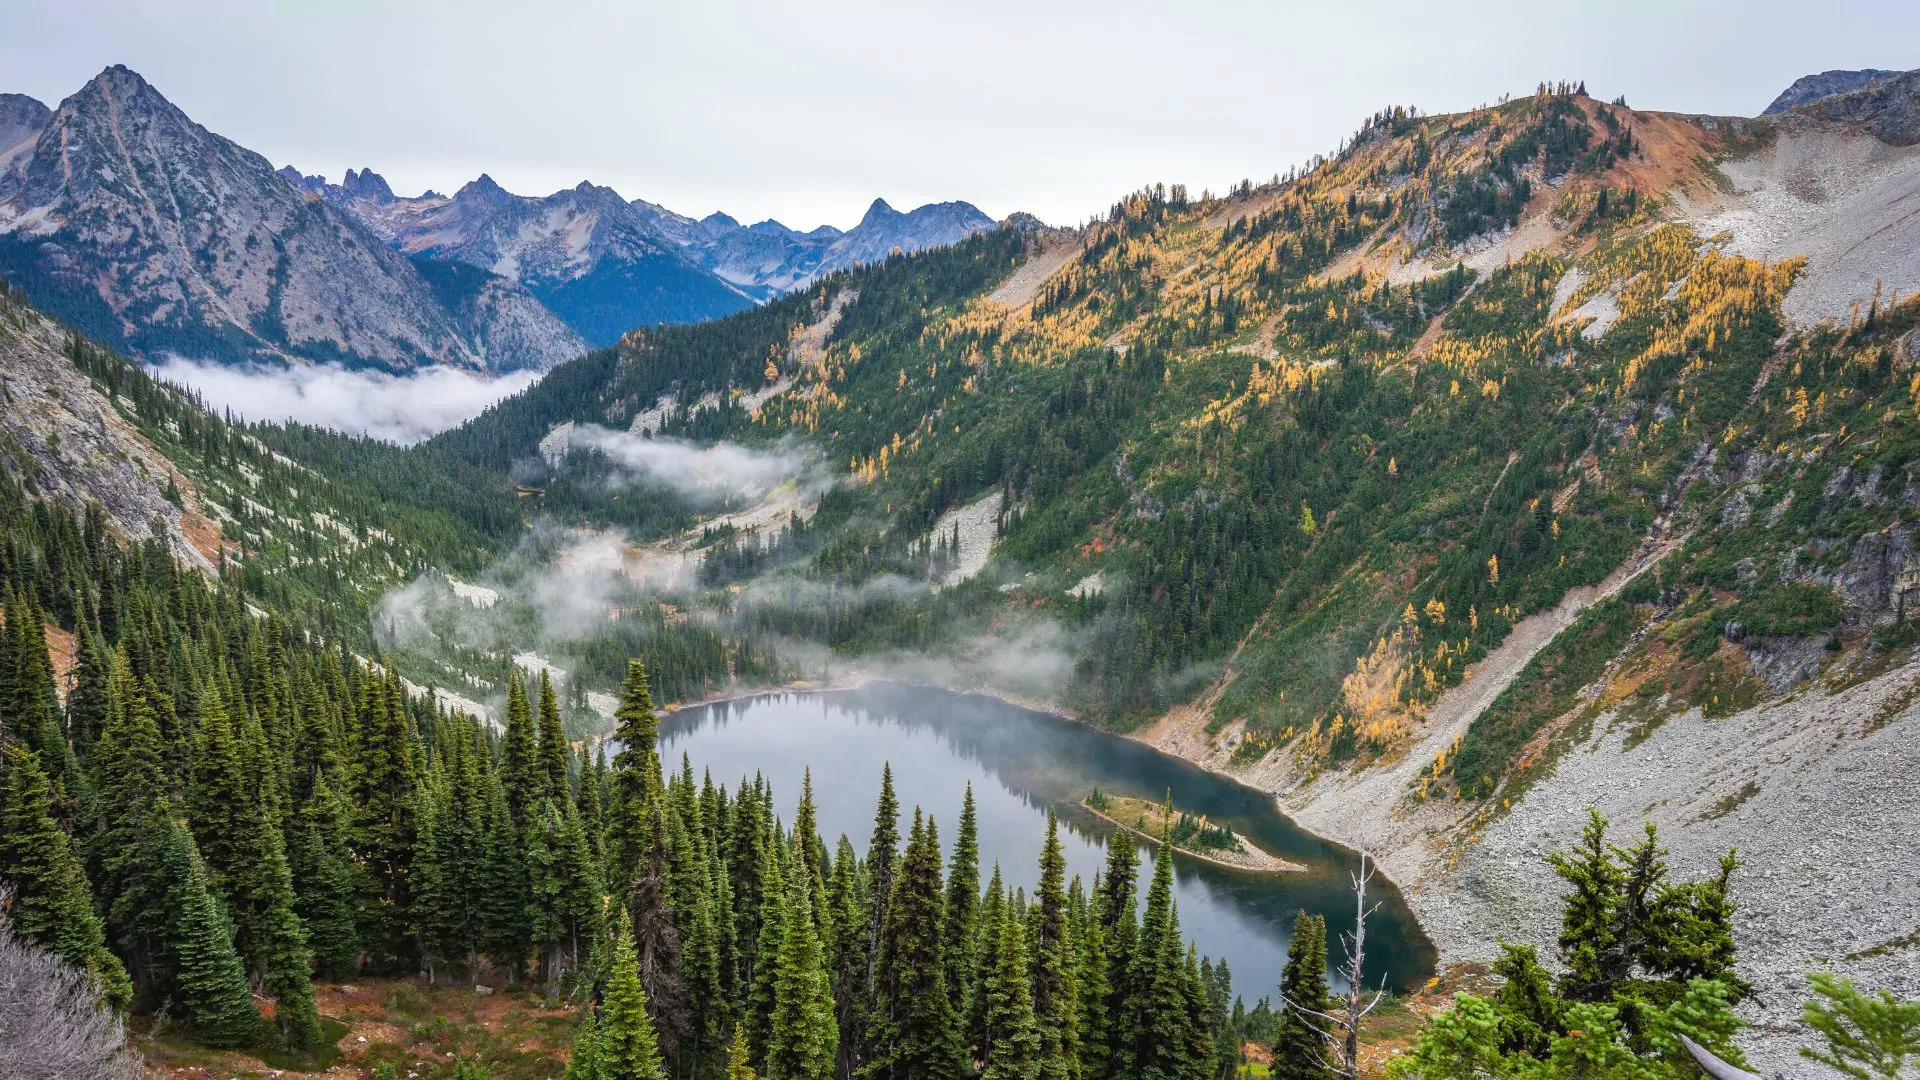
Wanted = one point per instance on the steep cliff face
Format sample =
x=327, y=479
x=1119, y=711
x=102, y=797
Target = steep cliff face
x=1810, y=88
x=151, y=232
x=71, y=443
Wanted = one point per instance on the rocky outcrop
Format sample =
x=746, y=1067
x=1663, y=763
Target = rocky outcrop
x=152, y=233
x=1889, y=109
x=68, y=442
x=21, y=121
x=1809, y=88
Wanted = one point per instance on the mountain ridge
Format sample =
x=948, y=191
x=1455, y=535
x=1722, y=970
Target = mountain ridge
x=159, y=236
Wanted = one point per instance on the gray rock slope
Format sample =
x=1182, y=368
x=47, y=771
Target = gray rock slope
x=145, y=229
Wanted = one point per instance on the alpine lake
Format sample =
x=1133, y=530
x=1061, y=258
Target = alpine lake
x=1022, y=763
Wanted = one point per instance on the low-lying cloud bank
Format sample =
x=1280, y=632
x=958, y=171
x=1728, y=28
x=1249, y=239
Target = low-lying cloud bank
x=401, y=409
x=724, y=468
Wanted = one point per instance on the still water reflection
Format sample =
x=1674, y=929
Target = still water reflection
x=1020, y=763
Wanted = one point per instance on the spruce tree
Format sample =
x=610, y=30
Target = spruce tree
x=960, y=927
x=520, y=770
x=554, y=750
x=133, y=821
x=771, y=941
x=801, y=1039
x=1114, y=913
x=629, y=1046
x=51, y=901
x=986, y=953
x=1012, y=1046
x=1055, y=998
x=916, y=1033
x=635, y=779
x=208, y=974
x=229, y=805
x=1299, y=1050
x=737, y=1067
x=584, y=1062
x=386, y=790
x=1590, y=943
x=1161, y=994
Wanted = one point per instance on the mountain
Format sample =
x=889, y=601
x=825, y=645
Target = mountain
x=154, y=234
x=1808, y=88
x=768, y=258
x=1504, y=464
x=590, y=256
x=21, y=121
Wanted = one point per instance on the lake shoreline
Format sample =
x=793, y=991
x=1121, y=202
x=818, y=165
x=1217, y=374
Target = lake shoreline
x=1276, y=864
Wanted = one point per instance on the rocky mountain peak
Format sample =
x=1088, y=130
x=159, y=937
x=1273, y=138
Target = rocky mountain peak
x=367, y=184
x=1888, y=108
x=879, y=212
x=1810, y=88
x=22, y=119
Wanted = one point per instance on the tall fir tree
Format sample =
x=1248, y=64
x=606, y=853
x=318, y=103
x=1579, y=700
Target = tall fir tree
x=51, y=901
x=915, y=1033
x=801, y=1038
x=554, y=751
x=960, y=925
x=1300, y=1051
x=520, y=770
x=629, y=1045
x=209, y=977
x=1055, y=997
x=1012, y=1048
x=635, y=779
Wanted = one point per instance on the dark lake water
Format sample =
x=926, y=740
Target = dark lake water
x=1020, y=763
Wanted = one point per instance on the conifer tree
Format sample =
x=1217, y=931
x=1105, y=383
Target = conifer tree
x=1299, y=1049
x=1114, y=913
x=635, y=779
x=986, y=955
x=208, y=974
x=51, y=901
x=629, y=1046
x=770, y=942
x=1162, y=996
x=880, y=855
x=565, y=888
x=737, y=1067
x=960, y=927
x=554, y=750
x=916, y=1034
x=801, y=1039
x=451, y=873
x=133, y=821
x=506, y=930
x=1055, y=998
x=385, y=792
x=1090, y=981
x=1012, y=1047
x=229, y=806
x=584, y=1063
x=520, y=770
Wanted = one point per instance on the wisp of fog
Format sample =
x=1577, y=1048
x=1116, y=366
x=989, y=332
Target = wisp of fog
x=400, y=409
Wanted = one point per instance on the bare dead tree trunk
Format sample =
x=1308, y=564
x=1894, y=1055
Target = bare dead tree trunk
x=1340, y=1026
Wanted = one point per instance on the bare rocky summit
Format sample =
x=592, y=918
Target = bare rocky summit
x=1810, y=88
x=152, y=233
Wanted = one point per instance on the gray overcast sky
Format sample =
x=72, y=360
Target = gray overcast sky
x=806, y=112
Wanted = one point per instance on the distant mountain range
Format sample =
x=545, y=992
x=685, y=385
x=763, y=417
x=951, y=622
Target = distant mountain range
x=122, y=216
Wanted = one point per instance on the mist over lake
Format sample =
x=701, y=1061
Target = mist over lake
x=1020, y=763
